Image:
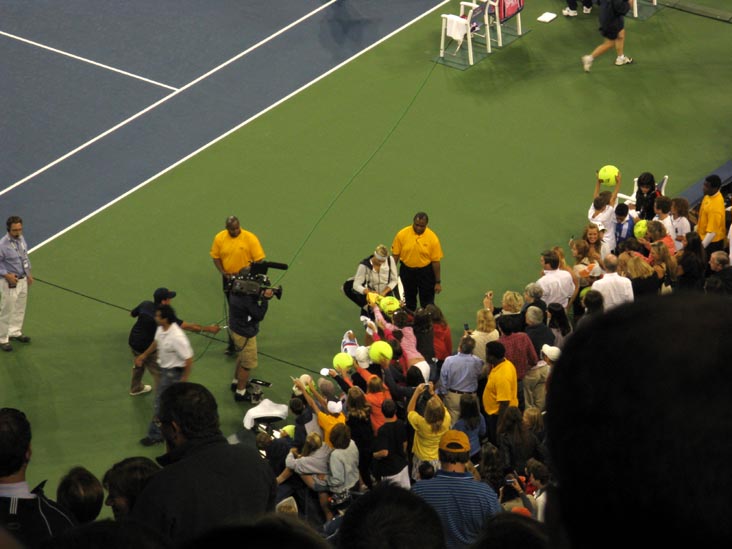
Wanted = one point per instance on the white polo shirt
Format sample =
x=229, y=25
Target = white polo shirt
x=558, y=287
x=173, y=347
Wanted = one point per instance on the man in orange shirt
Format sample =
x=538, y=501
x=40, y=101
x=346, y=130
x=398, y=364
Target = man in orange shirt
x=232, y=250
x=420, y=253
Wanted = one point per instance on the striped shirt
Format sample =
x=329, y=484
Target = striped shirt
x=462, y=503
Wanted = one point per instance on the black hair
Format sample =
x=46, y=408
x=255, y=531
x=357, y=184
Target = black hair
x=421, y=215
x=495, y=349
x=12, y=220
x=551, y=258
x=390, y=516
x=166, y=312
x=715, y=182
x=388, y=408
x=192, y=407
x=128, y=477
x=81, y=493
x=621, y=209
x=15, y=438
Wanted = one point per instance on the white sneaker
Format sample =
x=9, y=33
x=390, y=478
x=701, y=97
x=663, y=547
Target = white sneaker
x=623, y=60
x=569, y=13
x=587, y=62
x=145, y=389
x=586, y=10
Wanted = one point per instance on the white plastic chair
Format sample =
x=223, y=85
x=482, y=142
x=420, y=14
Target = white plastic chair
x=461, y=22
x=635, y=7
x=492, y=16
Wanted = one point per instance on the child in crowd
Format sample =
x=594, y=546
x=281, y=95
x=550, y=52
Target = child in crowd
x=645, y=196
x=662, y=208
x=680, y=220
x=624, y=224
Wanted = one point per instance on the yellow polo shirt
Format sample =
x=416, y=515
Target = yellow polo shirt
x=236, y=253
x=416, y=250
x=711, y=217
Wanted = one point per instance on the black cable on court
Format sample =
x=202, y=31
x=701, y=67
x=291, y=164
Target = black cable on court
x=361, y=168
x=210, y=338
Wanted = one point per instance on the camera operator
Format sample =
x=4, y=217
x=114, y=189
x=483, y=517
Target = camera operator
x=246, y=311
x=232, y=250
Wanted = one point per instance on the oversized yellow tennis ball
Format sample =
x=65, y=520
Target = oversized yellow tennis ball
x=289, y=430
x=342, y=361
x=380, y=350
x=607, y=175
x=640, y=228
x=389, y=304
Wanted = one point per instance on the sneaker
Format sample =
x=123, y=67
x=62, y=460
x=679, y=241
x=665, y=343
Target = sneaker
x=21, y=338
x=586, y=10
x=234, y=386
x=145, y=389
x=624, y=60
x=569, y=13
x=246, y=397
x=6, y=347
x=149, y=441
x=587, y=62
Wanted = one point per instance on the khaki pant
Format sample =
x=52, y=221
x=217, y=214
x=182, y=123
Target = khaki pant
x=247, y=351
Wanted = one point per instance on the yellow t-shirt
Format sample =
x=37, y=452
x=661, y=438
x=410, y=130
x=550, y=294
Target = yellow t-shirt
x=501, y=386
x=236, y=253
x=711, y=217
x=416, y=250
x=327, y=422
x=426, y=442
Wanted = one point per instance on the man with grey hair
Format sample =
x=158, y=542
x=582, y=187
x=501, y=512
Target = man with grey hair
x=533, y=294
x=721, y=271
x=615, y=289
x=539, y=333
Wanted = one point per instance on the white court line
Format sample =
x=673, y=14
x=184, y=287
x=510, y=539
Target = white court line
x=85, y=60
x=247, y=121
x=164, y=99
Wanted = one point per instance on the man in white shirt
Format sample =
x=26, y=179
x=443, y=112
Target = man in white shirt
x=175, y=358
x=557, y=283
x=615, y=289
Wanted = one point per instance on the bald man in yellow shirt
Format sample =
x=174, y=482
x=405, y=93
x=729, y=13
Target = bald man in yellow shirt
x=420, y=252
x=231, y=251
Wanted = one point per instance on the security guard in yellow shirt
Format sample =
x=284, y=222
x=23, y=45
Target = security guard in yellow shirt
x=419, y=250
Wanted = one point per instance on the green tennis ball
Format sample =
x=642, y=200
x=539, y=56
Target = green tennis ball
x=607, y=175
x=389, y=304
x=289, y=430
x=640, y=228
x=342, y=361
x=380, y=350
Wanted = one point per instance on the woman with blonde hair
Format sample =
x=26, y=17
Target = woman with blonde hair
x=428, y=429
x=375, y=274
x=485, y=331
x=511, y=303
x=664, y=264
x=641, y=274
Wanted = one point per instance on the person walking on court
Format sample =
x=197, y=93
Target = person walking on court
x=231, y=251
x=15, y=270
x=175, y=360
x=612, y=28
x=420, y=252
x=142, y=335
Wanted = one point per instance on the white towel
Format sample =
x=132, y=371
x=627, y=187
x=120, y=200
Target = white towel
x=457, y=27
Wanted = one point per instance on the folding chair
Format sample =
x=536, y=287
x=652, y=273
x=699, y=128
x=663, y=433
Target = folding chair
x=498, y=13
x=458, y=27
x=635, y=6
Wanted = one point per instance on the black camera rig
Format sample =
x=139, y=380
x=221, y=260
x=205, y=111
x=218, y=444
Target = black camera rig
x=253, y=280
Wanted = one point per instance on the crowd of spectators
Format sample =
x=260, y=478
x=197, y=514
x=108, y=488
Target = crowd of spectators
x=419, y=444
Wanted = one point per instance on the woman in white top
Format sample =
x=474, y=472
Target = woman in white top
x=680, y=221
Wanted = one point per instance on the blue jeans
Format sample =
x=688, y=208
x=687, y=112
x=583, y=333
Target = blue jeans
x=168, y=376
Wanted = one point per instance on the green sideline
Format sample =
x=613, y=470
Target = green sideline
x=502, y=156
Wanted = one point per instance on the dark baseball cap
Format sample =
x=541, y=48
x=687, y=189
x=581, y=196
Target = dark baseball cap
x=163, y=293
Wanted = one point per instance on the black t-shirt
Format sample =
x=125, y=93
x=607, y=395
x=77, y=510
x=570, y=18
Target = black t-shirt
x=142, y=333
x=392, y=437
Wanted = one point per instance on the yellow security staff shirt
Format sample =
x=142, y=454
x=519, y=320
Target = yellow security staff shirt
x=711, y=217
x=415, y=250
x=236, y=253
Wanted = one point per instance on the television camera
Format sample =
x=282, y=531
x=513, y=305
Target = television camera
x=253, y=280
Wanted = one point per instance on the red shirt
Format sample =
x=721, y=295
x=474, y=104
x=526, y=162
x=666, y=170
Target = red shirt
x=442, y=341
x=520, y=351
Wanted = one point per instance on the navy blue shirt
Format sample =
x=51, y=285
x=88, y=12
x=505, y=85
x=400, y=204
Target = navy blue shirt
x=142, y=333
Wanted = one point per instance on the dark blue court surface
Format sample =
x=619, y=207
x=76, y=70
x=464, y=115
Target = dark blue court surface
x=59, y=103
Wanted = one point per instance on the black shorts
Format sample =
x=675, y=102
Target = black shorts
x=612, y=29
